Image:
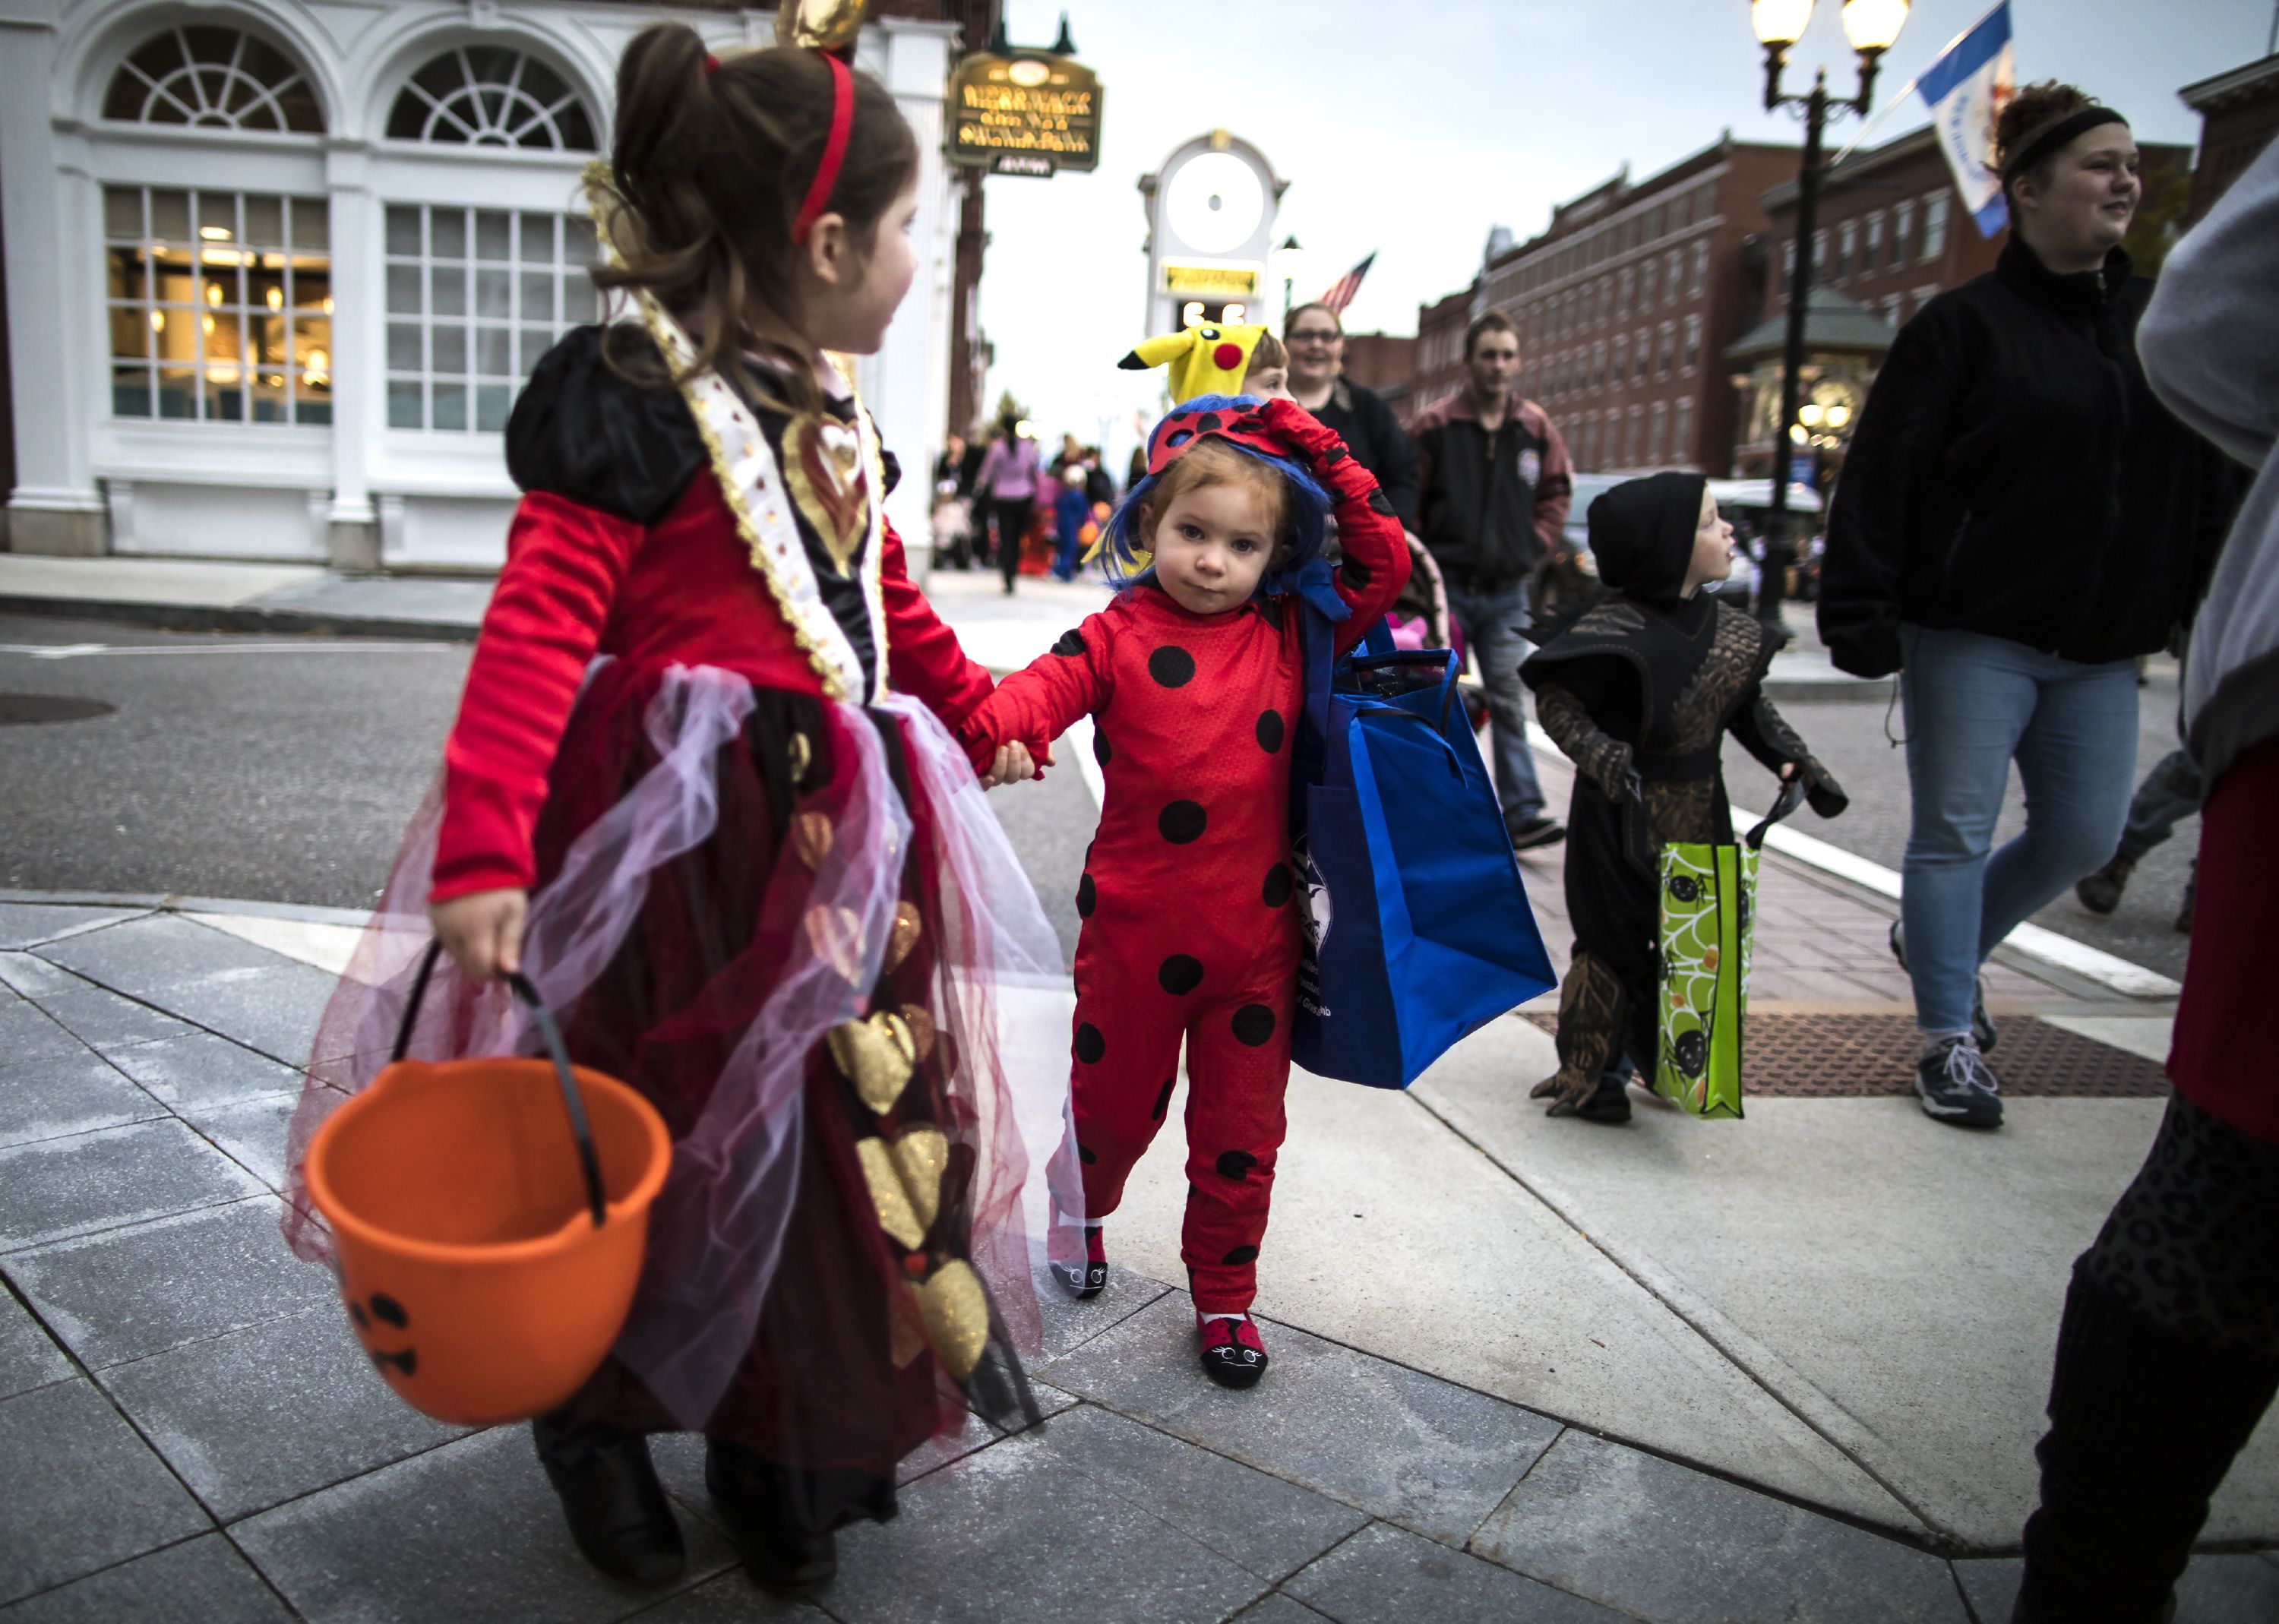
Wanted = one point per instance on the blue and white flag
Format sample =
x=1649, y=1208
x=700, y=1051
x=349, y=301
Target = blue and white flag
x=1965, y=90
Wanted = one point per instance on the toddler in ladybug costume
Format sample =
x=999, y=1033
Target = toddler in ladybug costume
x=1193, y=677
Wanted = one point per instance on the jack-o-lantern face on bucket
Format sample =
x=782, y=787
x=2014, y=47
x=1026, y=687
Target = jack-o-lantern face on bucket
x=380, y=1315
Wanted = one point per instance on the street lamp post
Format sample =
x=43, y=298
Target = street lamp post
x=1870, y=25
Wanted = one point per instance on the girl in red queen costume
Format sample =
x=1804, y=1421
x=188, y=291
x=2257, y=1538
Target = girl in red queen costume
x=702, y=792
x=1194, y=678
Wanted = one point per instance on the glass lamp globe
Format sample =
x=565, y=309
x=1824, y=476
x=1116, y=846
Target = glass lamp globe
x=1873, y=24
x=1779, y=22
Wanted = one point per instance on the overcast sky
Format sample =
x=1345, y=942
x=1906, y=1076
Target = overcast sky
x=1411, y=126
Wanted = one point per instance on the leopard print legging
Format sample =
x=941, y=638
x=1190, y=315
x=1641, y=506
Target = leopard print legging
x=2193, y=1243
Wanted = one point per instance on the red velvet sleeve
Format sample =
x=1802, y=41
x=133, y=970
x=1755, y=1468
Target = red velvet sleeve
x=1036, y=705
x=922, y=655
x=564, y=566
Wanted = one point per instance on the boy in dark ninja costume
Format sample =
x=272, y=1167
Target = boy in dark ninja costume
x=1638, y=694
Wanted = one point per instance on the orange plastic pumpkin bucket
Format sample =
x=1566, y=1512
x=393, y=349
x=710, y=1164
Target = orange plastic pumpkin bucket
x=487, y=1253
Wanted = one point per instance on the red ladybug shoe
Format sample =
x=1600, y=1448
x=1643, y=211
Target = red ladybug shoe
x=1232, y=1354
x=1089, y=1277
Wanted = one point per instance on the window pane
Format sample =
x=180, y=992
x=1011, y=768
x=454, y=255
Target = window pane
x=450, y=406
x=127, y=274
x=492, y=234
x=538, y=296
x=403, y=405
x=403, y=347
x=170, y=216
x=225, y=395
x=317, y=412
x=312, y=224
x=264, y=222
x=538, y=239
x=217, y=214
x=130, y=392
x=312, y=344
x=450, y=228
x=177, y=392
x=449, y=290
x=271, y=402
x=494, y=351
x=535, y=342
x=494, y=293
x=493, y=402
x=578, y=243
x=130, y=331
x=450, y=342
x=122, y=212
x=402, y=231
x=403, y=290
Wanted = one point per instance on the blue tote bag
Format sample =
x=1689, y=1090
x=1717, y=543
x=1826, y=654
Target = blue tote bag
x=1417, y=930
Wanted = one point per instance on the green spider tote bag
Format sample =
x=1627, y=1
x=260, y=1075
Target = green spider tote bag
x=1708, y=919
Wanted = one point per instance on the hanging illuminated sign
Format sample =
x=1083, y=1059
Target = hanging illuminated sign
x=1028, y=113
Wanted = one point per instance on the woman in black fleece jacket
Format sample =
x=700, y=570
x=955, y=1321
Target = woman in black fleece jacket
x=2019, y=517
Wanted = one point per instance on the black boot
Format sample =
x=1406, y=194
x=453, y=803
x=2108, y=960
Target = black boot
x=615, y=1506
x=767, y=1514
x=2143, y=1424
x=1610, y=1102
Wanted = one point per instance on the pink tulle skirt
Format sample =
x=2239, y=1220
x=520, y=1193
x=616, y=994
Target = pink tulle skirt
x=724, y=875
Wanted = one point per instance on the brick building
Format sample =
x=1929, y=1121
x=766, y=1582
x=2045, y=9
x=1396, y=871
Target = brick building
x=2240, y=114
x=1626, y=303
x=1383, y=362
x=1438, y=366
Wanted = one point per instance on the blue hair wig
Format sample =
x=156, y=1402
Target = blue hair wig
x=1303, y=533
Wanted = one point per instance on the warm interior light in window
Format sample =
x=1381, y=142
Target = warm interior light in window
x=1839, y=416
x=222, y=374
x=318, y=366
x=157, y=321
x=1809, y=414
x=1796, y=432
x=209, y=325
x=275, y=298
x=213, y=293
x=328, y=306
x=216, y=233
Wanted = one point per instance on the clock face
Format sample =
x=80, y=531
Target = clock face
x=1214, y=203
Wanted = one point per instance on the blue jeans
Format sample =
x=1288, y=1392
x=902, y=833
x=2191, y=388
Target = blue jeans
x=1490, y=623
x=1974, y=704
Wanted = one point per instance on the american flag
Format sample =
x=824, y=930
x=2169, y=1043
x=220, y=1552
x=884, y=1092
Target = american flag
x=1341, y=292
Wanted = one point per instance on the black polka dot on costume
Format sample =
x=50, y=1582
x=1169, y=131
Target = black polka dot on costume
x=1334, y=455
x=1164, y=1099
x=1239, y=1255
x=1253, y=1025
x=1279, y=886
x=1180, y=974
x=1209, y=421
x=1181, y=822
x=1087, y=897
x=1172, y=666
x=1086, y=1155
x=1100, y=753
x=1380, y=503
x=1235, y=1165
x=1090, y=1045
x=1071, y=642
x=1270, y=731
x=1356, y=574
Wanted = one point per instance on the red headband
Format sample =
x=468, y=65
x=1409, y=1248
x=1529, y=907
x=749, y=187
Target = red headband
x=834, y=151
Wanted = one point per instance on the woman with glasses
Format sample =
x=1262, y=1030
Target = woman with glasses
x=1316, y=341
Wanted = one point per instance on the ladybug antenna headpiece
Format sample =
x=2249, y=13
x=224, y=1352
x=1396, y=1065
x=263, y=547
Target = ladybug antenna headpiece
x=1232, y=419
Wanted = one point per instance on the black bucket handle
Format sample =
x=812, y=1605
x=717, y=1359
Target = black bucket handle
x=573, y=1101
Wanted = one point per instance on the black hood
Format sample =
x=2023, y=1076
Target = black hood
x=1642, y=533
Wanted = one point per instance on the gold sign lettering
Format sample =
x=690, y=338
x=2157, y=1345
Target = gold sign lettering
x=1041, y=108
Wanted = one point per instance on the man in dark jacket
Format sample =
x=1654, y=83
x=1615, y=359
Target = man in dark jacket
x=1494, y=482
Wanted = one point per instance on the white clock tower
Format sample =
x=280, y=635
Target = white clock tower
x=1210, y=216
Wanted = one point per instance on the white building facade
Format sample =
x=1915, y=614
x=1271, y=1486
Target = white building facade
x=276, y=270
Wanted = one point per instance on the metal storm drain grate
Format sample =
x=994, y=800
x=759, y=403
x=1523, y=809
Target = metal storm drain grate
x=30, y=709
x=1855, y=1056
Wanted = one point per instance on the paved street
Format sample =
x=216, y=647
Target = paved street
x=1524, y=1369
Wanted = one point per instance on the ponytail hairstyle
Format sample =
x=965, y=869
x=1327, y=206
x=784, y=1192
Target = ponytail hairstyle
x=710, y=163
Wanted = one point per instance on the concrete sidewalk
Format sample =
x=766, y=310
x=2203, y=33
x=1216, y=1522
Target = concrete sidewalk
x=1523, y=1370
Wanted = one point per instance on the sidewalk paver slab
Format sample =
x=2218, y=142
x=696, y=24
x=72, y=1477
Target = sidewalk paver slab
x=84, y=1491
x=267, y=1413
x=731, y=1598
x=28, y=1356
x=200, y=1579
x=147, y=956
x=469, y=1532
x=1678, y=1546
x=210, y=977
x=55, y=1188
x=27, y=924
x=2215, y=1589
x=251, y=1132
x=129, y=1293
x=1001, y=1535
x=1270, y=1527
x=1069, y=1324
x=1388, y=1575
x=98, y=1017
x=204, y=1069
x=52, y=1085
x=1281, y=1609
x=1389, y=1440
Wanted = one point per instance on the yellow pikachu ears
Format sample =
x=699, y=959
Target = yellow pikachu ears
x=1206, y=360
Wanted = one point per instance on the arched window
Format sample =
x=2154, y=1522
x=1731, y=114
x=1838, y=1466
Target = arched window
x=221, y=77
x=487, y=96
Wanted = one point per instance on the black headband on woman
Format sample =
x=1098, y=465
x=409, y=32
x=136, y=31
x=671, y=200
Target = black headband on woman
x=2050, y=137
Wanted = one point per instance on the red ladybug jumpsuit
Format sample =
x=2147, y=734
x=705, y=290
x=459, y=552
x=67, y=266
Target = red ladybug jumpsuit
x=1189, y=927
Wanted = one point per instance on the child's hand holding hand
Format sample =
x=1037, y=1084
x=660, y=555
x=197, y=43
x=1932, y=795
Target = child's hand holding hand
x=1013, y=763
x=482, y=931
